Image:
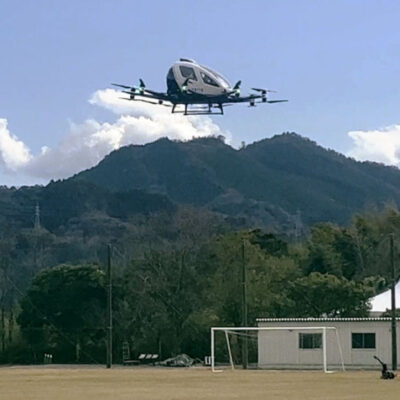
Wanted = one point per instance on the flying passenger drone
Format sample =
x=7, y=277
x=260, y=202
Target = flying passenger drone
x=193, y=85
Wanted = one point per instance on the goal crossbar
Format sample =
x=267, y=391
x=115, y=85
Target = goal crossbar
x=321, y=329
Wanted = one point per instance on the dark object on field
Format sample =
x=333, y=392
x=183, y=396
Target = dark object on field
x=386, y=374
x=143, y=359
x=181, y=360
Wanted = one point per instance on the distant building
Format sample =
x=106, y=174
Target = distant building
x=359, y=338
x=382, y=302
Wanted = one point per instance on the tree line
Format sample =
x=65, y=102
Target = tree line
x=168, y=293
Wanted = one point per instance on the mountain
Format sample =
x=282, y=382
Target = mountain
x=267, y=182
x=170, y=193
x=270, y=183
x=323, y=184
x=64, y=201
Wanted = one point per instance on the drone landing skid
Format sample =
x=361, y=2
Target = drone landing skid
x=198, y=111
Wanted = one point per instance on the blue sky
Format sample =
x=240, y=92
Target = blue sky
x=338, y=62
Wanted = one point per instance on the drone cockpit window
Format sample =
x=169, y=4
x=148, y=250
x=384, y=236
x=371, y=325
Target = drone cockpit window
x=188, y=72
x=208, y=80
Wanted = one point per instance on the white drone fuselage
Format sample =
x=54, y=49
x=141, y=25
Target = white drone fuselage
x=199, y=89
x=187, y=75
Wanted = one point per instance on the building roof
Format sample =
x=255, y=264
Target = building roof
x=364, y=319
x=383, y=301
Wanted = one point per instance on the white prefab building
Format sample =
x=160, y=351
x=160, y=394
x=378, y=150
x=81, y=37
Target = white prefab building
x=352, y=341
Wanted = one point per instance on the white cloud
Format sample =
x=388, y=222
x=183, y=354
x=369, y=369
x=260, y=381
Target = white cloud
x=89, y=142
x=13, y=152
x=381, y=145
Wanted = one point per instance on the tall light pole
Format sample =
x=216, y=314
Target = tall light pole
x=393, y=292
x=244, y=309
x=109, y=308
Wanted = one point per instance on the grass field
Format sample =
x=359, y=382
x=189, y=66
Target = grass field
x=31, y=383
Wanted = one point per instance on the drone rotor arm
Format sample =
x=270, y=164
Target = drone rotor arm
x=123, y=86
x=264, y=90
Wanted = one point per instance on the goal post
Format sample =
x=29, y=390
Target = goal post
x=254, y=333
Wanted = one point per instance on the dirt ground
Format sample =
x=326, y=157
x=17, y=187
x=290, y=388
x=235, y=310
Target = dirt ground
x=87, y=383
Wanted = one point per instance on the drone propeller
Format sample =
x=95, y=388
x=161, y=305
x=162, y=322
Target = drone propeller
x=133, y=89
x=236, y=89
x=123, y=86
x=146, y=101
x=237, y=85
x=265, y=91
x=254, y=103
x=141, y=86
x=131, y=93
x=152, y=102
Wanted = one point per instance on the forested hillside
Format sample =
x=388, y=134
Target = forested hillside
x=267, y=182
x=167, y=298
x=139, y=196
x=178, y=215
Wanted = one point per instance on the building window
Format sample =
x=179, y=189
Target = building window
x=310, y=340
x=363, y=340
x=188, y=72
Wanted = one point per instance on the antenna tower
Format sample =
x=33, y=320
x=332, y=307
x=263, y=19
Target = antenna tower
x=37, y=217
x=298, y=228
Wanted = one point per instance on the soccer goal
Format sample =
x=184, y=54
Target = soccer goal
x=276, y=348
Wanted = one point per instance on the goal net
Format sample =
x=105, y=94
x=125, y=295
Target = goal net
x=276, y=348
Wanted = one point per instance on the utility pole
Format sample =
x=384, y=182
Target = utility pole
x=393, y=292
x=298, y=226
x=3, y=291
x=37, y=240
x=109, y=308
x=244, y=309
